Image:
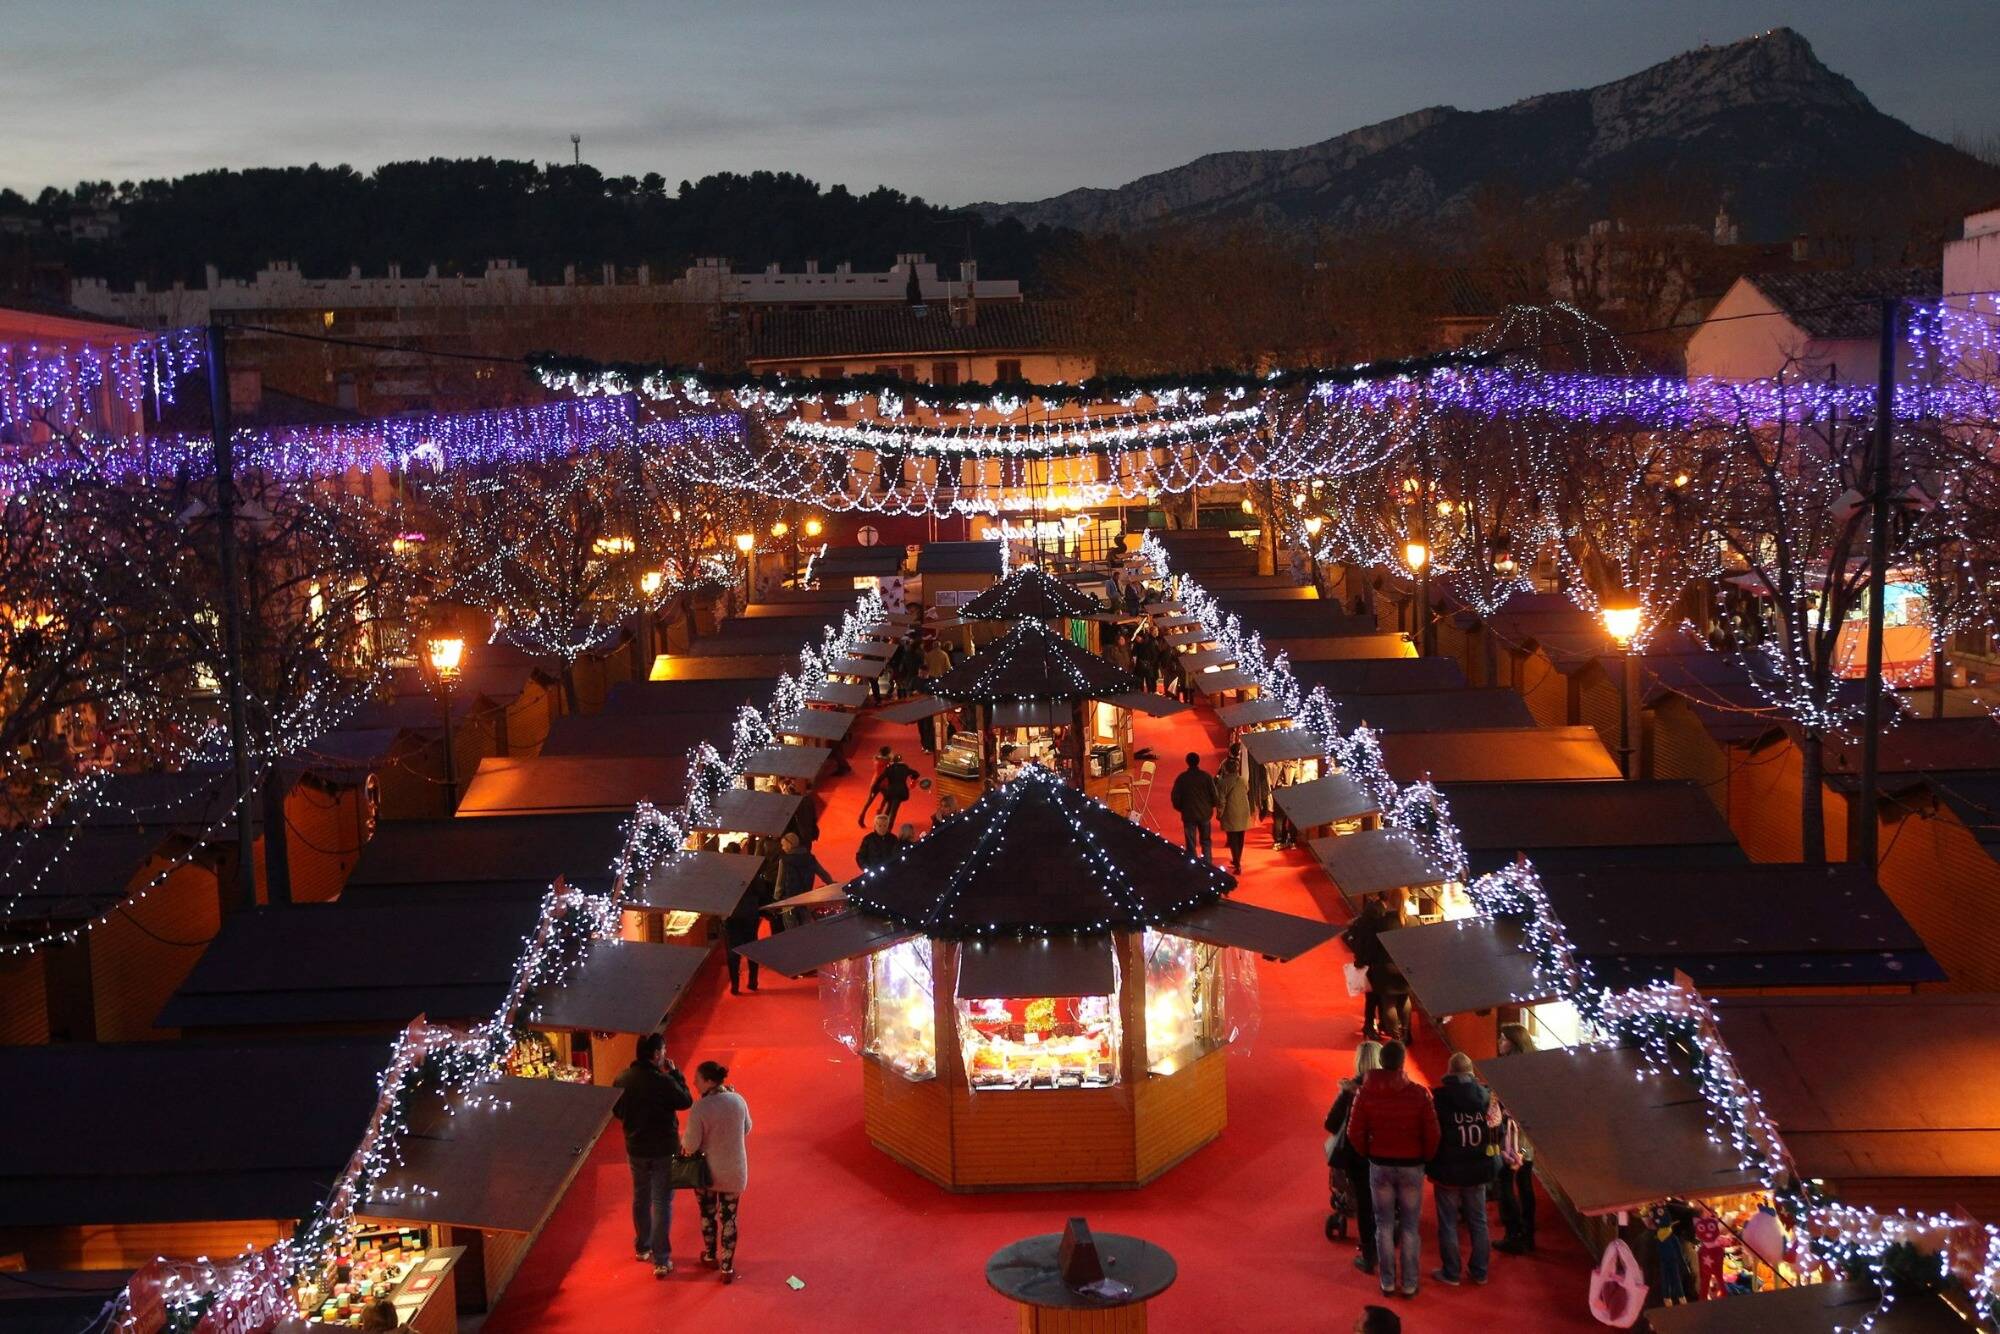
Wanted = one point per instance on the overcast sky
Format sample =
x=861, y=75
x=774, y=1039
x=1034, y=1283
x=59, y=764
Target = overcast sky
x=1002, y=99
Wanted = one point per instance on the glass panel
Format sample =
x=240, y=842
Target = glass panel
x=1047, y=1042
x=902, y=1014
x=1184, y=1001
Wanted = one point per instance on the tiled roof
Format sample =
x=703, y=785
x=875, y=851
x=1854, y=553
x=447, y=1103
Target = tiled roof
x=1843, y=303
x=899, y=330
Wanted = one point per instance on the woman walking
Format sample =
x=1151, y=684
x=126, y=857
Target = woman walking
x=718, y=1127
x=1232, y=810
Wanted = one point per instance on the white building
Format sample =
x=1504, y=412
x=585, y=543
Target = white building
x=1807, y=323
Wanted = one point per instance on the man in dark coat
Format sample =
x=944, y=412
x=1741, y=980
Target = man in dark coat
x=1194, y=797
x=894, y=785
x=878, y=845
x=1461, y=1171
x=654, y=1094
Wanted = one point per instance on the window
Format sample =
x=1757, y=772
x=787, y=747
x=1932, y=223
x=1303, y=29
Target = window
x=830, y=372
x=1007, y=371
x=910, y=372
x=944, y=372
x=887, y=370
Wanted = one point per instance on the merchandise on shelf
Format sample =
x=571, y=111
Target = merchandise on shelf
x=902, y=1014
x=1049, y=1042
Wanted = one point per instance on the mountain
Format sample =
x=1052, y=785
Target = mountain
x=1760, y=123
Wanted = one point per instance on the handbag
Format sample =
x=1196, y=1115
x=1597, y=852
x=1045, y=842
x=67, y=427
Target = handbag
x=1356, y=977
x=1616, y=1294
x=689, y=1171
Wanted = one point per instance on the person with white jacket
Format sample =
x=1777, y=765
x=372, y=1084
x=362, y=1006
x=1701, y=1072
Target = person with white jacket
x=718, y=1127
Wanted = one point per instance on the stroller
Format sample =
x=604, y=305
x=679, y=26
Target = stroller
x=1340, y=1203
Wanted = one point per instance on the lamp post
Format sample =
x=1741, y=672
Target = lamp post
x=746, y=543
x=650, y=582
x=1418, y=557
x=447, y=659
x=1621, y=616
x=1313, y=524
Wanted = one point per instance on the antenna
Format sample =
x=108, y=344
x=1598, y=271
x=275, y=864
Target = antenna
x=576, y=149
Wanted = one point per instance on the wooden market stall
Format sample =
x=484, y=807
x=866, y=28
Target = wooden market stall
x=1377, y=676
x=1498, y=755
x=1033, y=696
x=227, y=1146
x=1046, y=992
x=1330, y=804
x=487, y=1180
x=572, y=784
x=1384, y=864
x=688, y=896
x=1562, y=825
x=1464, y=709
x=622, y=990
x=1821, y=1308
x=1474, y=974
x=501, y=854
x=956, y=573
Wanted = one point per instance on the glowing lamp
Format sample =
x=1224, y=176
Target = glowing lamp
x=650, y=581
x=1313, y=525
x=1299, y=500
x=780, y=528
x=447, y=655
x=814, y=527
x=1417, y=555
x=745, y=541
x=1504, y=563
x=1247, y=507
x=1621, y=618
x=1680, y=480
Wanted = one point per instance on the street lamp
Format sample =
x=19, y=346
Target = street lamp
x=814, y=527
x=1314, y=523
x=746, y=543
x=1418, y=556
x=446, y=654
x=650, y=583
x=1621, y=614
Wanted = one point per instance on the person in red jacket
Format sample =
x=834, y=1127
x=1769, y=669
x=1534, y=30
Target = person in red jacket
x=1394, y=1126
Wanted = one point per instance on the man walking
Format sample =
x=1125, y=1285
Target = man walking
x=654, y=1095
x=1394, y=1126
x=1194, y=797
x=1461, y=1171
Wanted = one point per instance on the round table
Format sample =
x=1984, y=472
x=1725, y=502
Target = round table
x=1028, y=1273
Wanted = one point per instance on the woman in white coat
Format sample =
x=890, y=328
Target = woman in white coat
x=718, y=1126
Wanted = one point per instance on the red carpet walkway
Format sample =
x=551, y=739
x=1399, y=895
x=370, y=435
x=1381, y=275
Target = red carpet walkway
x=879, y=1248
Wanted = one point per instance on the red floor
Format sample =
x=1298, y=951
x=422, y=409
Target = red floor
x=878, y=1247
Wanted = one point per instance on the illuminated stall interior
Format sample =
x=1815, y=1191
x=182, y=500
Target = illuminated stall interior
x=1043, y=992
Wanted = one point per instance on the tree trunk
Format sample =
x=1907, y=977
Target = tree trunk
x=1490, y=655
x=569, y=687
x=1937, y=679
x=277, y=846
x=1812, y=805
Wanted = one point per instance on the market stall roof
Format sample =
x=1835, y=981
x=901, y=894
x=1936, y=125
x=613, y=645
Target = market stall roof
x=857, y=562
x=825, y=940
x=1217, y=683
x=58, y=1301
x=1203, y=659
x=864, y=668
x=1570, y=826
x=1499, y=755
x=1036, y=856
x=1008, y=969
x=1324, y=801
x=1280, y=744
x=829, y=602
x=980, y=557
x=613, y=735
x=1031, y=663
x=1377, y=676
x=1879, y=1089
x=1819, y=1308
x=568, y=784
x=757, y=639
x=800, y=763
x=740, y=811
x=502, y=1167
x=701, y=881
x=73, y=874
x=1275, y=935
x=369, y=962
x=1255, y=712
x=196, y=1149
x=1352, y=647
x=1233, y=594
x=1176, y=620
x=724, y=695
x=874, y=648
x=830, y=725
x=1435, y=710
x=915, y=709
x=1612, y=1135
x=1468, y=965
x=1374, y=861
x=623, y=986
x=1029, y=594
x=1765, y=924
x=839, y=694
x=506, y=848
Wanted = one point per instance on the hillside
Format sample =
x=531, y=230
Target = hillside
x=1760, y=123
